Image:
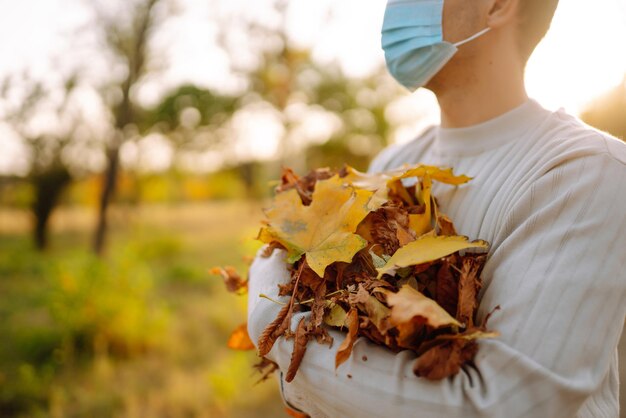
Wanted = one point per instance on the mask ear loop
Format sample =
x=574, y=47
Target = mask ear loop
x=471, y=38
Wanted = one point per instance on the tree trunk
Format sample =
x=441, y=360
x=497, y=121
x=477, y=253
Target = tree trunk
x=108, y=189
x=135, y=58
x=48, y=188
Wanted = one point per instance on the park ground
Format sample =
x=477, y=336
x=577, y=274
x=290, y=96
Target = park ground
x=141, y=332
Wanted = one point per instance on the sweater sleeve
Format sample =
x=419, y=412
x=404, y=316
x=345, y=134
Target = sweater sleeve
x=557, y=270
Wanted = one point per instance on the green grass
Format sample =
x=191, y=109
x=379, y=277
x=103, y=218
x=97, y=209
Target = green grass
x=140, y=333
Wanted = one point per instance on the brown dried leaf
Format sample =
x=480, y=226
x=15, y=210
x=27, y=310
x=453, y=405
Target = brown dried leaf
x=322, y=336
x=404, y=236
x=314, y=221
x=372, y=284
x=469, y=286
x=377, y=313
x=288, y=179
x=447, y=293
x=299, y=348
x=445, y=360
x=408, y=303
x=233, y=281
x=376, y=229
x=446, y=227
x=345, y=349
x=486, y=319
x=269, y=249
x=274, y=330
x=361, y=296
x=303, y=185
x=368, y=329
x=411, y=333
x=308, y=277
x=318, y=307
x=266, y=367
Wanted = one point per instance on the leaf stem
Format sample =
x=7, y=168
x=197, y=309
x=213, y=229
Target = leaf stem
x=325, y=297
x=436, y=210
x=456, y=268
x=264, y=296
x=295, y=289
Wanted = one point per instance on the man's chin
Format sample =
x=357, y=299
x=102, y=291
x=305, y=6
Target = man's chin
x=442, y=80
x=433, y=85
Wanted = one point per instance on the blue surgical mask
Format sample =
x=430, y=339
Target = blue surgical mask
x=412, y=38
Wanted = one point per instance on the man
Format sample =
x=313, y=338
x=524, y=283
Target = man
x=547, y=192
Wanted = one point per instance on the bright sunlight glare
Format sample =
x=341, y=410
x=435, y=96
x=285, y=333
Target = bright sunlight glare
x=581, y=58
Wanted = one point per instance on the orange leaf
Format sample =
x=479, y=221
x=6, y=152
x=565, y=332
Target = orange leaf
x=240, y=340
x=295, y=414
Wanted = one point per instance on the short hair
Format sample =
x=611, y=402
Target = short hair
x=535, y=17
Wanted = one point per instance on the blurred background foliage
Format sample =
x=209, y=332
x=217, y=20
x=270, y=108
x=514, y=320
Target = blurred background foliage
x=108, y=232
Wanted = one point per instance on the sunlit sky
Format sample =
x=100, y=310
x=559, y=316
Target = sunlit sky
x=582, y=56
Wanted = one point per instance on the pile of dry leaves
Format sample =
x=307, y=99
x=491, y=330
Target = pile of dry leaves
x=377, y=259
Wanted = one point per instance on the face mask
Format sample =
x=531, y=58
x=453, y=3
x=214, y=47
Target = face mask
x=412, y=39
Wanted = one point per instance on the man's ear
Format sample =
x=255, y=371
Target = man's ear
x=502, y=13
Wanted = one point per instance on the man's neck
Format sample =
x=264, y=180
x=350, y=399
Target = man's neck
x=479, y=98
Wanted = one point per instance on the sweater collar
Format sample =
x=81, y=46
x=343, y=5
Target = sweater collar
x=485, y=136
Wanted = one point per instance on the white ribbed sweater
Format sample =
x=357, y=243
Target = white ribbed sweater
x=549, y=194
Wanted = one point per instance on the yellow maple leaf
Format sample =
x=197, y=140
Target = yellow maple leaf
x=324, y=230
x=421, y=223
x=426, y=249
x=335, y=316
x=442, y=175
x=377, y=312
x=380, y=180
x=381, y=183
